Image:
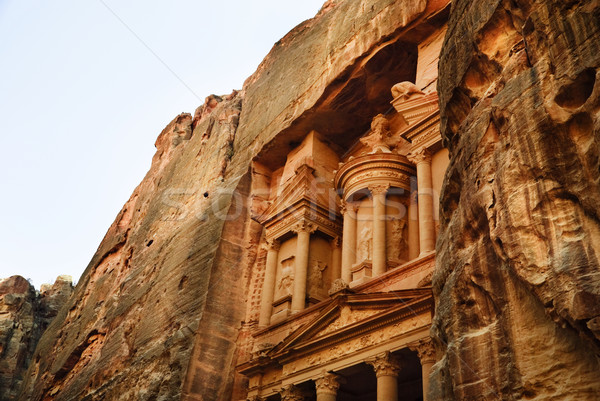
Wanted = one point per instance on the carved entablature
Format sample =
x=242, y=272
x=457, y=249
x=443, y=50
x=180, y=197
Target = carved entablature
x=374, y=169
x=304, y=201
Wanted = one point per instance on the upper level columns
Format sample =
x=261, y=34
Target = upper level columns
x=303, y=231
x=348, y=240
x=268, y=291
x=386, y=369
x=336, y=258
x=378, y=193
x=327, y=387
x=422, y=159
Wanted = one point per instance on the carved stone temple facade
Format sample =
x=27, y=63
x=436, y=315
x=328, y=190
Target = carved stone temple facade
x=344, y=303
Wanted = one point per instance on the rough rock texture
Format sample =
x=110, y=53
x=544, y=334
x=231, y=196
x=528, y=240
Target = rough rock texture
x=517, y=280
x=157, y=313
x=24, y=315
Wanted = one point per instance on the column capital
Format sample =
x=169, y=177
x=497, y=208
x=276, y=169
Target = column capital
x=291, y=393
x=254, y=398
x=422, y=155
x=346, y=206
x=425, y=350
x=304, y=226
x=329, y=383
x=272, y=244
x=385, y=365
x=379, y=189
x=336, y=242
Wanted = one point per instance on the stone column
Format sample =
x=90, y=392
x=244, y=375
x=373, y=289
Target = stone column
x=303, y=231
x=413, y=227
x=336, y=258
x=378, y=193
x=268, y=291
x=426, y=353
x=386, y=369
x=291, y=393
x=327, y=387
x=348, y=241
x=422, y=159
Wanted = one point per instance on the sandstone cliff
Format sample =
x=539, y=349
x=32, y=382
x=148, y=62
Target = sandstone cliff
x=24, y=315
x=157, y=312
x=517, y=280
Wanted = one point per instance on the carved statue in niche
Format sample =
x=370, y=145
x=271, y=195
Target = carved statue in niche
x=316, y=273
x=365, y=245
x=379, y=139
x=284, y=287
x=397, y=244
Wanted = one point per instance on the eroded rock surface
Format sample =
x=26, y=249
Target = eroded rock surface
x=24, y=315
x=517, y=280
x=158, y=311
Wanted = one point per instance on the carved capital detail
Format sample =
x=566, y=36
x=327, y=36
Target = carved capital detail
x=346, y=206
x=273, y=244
x=291, y=393
x=254, y=398
x=337, y=286
x=328, y=384
x=385, y=365
x=379, y=189
x=304, y=226
x=336, y=242
x=425, y=350
x=422, y=155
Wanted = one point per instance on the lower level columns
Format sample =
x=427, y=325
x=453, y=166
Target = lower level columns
x=386, y=369
x=426, y=353
x=327, y=387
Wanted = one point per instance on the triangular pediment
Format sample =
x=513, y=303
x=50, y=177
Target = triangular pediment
x=353, y=313
x=301, y=189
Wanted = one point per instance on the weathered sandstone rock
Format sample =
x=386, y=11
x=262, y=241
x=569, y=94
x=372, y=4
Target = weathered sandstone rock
x=159, y=310
x=517, y=280
x=24, y=315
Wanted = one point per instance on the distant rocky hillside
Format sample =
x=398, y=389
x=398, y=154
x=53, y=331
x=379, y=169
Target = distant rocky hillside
x=24, y=315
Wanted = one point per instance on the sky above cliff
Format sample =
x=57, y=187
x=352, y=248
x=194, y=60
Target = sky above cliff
x=86, y=88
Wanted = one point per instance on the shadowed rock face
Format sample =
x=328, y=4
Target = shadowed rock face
x=24, y=315
x=158, y=311
x=517, y=280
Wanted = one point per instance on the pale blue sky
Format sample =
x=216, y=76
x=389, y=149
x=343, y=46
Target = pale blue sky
x=82, y=101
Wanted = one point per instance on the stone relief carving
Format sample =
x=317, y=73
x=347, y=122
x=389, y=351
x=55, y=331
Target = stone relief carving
x=337, y=286
x=397, y=244
x=284, y=286
x=365, y=243
x=315, y=277
x=379, y=139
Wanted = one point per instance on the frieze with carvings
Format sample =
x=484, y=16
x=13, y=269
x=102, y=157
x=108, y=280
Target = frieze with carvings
x=356, y=344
